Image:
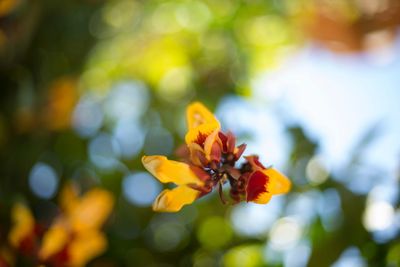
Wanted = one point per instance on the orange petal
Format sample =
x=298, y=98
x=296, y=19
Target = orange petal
x=209, y=145
x=92, y=211
x=23, y=224
x=173, y=200
x=85, y=247
x=255, y=163
x=197, y=156
x=201, y=122
x=169, y=171
x=54, y=240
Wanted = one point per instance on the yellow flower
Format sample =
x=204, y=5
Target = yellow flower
x=169, y=171
x=203, y=127
x=263, y=182
x=211, y=163
x=75, y=237
x=22, y=233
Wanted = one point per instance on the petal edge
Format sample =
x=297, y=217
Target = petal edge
x=173, y=200
x=170, y=171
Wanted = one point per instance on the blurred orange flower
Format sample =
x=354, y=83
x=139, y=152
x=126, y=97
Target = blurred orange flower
x=73, y=238
x=7, y=6
x=211, y=163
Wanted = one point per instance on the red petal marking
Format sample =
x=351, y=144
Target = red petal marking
x=201, y=138
x=256, y=185
x=28, y=245
x=62, y=258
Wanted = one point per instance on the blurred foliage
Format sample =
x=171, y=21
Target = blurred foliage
x=89, y=86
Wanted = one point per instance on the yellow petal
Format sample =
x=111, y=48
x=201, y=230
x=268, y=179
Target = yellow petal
x=278, y=183
x=23, y=224
x=69, y=199
x=169, y=171
x=263, y=198
x=173, y=200
x=201, y=122
x=92, y=210
x=85, y=247
x=54, y=240
x=197, y=114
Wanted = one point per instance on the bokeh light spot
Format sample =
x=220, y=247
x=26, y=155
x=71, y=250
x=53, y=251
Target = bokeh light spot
x=140, y=188
x=249, y=219
x=350, y=257
x=168, y=235
x=164, y=20
x=87, y=117
x=243, y=256
x=175, y=84
x=104, y=151
x=43, y=180
x=316, y=172
x=298, y=256
x=329, y=209
x=214, y=233
x=194, y=15
x=158, y=141
x=130, y=137
x=285, y=233
x=127, y=100
x=120, y=13
x=378, y=215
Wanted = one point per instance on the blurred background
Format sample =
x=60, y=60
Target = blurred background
x=312, y=86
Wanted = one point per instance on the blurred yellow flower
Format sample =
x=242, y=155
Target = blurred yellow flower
x=75, y=237
x=22, y=233
x=7, y=6
x=211, y=163
x=62, y=97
